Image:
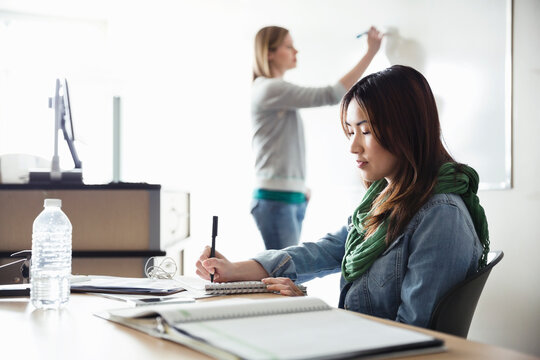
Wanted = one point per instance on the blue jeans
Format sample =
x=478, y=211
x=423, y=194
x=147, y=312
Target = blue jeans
x=279, y=223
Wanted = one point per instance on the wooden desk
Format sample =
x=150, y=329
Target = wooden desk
x=116, y=227
x=74, y=333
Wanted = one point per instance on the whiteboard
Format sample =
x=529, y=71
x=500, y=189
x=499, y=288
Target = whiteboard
x=462, y=47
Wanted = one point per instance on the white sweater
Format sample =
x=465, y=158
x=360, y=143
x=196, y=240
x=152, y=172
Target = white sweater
x=278, y=132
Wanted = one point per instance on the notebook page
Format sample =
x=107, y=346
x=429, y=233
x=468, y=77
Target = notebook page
x=306, y=335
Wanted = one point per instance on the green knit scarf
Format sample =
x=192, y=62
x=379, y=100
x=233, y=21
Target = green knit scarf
x=453, y=178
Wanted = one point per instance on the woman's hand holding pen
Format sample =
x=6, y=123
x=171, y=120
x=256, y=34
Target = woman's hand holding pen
x=224, y=270
x=374, y=40
x=217, y=265
x=374, y=44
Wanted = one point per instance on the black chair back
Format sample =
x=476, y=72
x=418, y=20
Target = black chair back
x=454, y=311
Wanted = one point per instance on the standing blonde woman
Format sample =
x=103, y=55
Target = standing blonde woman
x=280, y=197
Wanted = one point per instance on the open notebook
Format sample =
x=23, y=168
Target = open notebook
x=275, y=328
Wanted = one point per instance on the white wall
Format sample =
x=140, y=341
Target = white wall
x=508, y=313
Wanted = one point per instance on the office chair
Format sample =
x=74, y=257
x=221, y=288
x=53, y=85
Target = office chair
x=453, y=313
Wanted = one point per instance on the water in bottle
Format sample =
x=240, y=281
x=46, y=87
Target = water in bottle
x=51, y=257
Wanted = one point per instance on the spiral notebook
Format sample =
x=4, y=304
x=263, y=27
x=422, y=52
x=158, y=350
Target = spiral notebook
x=276, y=328
x=241, y=287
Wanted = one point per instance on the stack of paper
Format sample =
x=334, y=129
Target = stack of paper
x=124, y=285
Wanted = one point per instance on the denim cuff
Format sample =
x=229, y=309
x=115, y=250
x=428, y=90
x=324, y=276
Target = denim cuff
x=277, y=263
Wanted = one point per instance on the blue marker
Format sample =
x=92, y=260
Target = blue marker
x=362, y=34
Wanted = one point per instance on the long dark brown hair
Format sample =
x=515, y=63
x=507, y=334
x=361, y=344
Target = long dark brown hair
x=404, y=120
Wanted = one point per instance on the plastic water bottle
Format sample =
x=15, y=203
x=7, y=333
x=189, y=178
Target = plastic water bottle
x=51, y=257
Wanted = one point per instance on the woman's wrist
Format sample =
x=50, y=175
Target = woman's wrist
x=248, y=270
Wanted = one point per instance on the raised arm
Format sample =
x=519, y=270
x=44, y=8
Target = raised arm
x=374, y=43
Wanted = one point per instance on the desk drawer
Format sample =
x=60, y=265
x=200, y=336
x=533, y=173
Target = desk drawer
x=101, y=219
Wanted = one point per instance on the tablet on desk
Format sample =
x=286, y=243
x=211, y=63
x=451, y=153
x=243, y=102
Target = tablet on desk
x=106, y=284
x=14, y=290
x=141, y=300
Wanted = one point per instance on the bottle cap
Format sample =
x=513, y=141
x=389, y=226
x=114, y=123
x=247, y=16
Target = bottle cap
x=52, y=202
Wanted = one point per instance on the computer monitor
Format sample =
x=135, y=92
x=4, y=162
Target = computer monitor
x=66, y=122
x=62, y=121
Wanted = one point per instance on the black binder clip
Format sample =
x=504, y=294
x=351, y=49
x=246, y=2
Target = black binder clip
x=17, y=272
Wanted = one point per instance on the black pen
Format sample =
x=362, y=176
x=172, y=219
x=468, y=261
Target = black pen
x=214, y=234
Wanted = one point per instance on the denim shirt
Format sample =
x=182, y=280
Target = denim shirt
x=438, y=248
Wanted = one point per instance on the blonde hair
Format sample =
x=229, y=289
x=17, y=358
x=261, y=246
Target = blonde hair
x=267, y=39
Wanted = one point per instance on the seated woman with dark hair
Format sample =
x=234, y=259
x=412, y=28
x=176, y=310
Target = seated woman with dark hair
x=419, y=229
